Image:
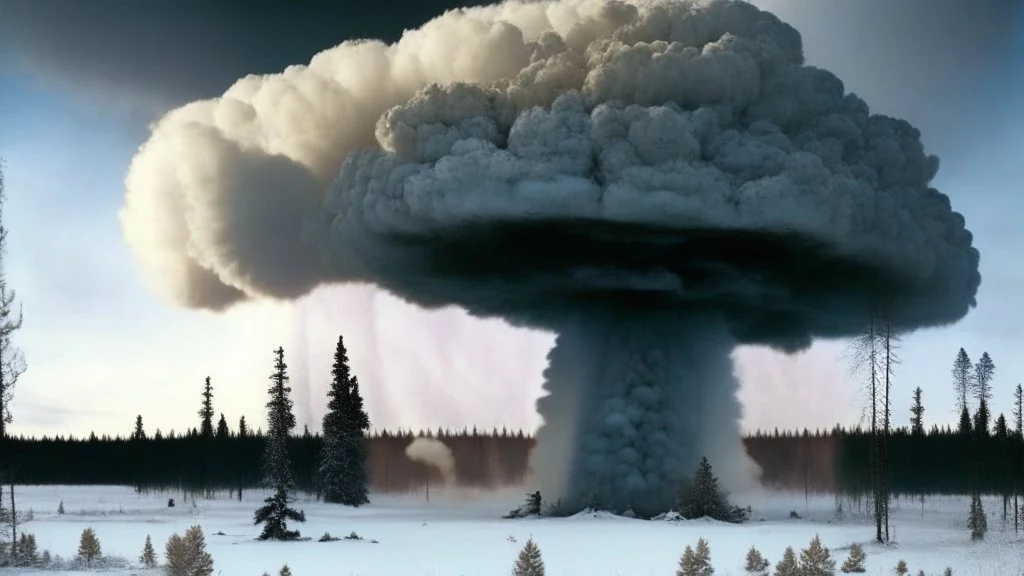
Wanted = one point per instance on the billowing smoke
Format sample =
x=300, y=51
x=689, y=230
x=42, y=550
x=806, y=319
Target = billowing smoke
x=656, y=182
x=433, y=453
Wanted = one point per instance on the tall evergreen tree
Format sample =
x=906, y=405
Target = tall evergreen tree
x=963, y=374
x=1018, y=409
x=1000, y=429
x=965, y=427
x=139, y=433
x=206, y=411
x=342, y=471
x=12, y=362
x=222, y=428
x=276, y=512
x=984, y=371
x=982, y=418
x=917, y=414
x=243, y=428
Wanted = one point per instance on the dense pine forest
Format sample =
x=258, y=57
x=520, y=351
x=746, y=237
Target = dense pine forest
x=941, y=461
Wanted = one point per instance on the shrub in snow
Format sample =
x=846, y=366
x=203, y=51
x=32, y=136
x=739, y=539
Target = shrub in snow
x=60, y=508
x=328, y=538
x=920, y=573
x=285, y=571
x=696, y=563
x=353, y=536
x=901, y=568
x=788, y=566
x=148, y=556
x=170, y=502
x=89, y=546
x=947, y=572
x=977, y=521
x=701, y=496
x=45, y=560
x=188, y=556
x=757, y=565
x=529, y=561
x=815, y=560
x=855, y=561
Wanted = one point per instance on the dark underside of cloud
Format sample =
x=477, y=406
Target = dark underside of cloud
x=159, y=54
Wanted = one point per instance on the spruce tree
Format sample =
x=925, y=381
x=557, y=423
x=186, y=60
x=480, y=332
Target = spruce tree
x=788, y=565
x=89, y=546
x=702, y=559
x=285, y=571
x=756, y=564
x=28, y=552
x=200, y=563
x=529, y=561
x=855, y=561
x=976, y=521
x=901, y=568
x=139, y=433
x=206, y=411
x=700, y=496
x=276, y=512
x=342, y=471
x=965, y=426
x=148, y=556
x=917, y=414
x=1000, y=430
x=222, y=428
x=816, y=560
x=981, y=419
x=243, y=428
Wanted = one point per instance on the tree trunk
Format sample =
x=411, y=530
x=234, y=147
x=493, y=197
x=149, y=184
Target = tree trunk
x=14, y=529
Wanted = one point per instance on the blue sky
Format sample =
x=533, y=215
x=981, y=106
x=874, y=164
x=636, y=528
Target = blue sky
x=101, y=348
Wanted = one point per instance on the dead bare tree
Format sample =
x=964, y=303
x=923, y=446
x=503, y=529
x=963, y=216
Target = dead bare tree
x=866, y=353
x=12, y=362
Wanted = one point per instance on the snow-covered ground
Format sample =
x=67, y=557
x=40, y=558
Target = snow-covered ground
x=461, y=534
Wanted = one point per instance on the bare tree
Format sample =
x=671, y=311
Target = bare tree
x=12, y=362
x=962, y=379
x=867, y=362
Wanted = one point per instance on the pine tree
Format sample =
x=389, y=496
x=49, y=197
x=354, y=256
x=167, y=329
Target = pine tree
x=702, y=559
x=243, y=428
x=1000, y=430
x=176, y=556
x=206, y=411
x=200, y=563
x=687, y=563
x=700, y=496
x=28, y=553
x=529, y=561
x=60, y=507
x=981, y=419
x=976, y=521
x=815, y=560
x=139, y=433
x=342, y=470
x=45, y=559
x=89, y=546
x=1018, y=410
x=12, y=362
x=285, y=571
x=757, y=565
x=148, y=556
x=984, y=371
x=222, y=428
x=963, y=371
x=788, y=565
x=965, y=426
x=276, y=512
x=917, y=414
x=901, y=568
x=855, y=561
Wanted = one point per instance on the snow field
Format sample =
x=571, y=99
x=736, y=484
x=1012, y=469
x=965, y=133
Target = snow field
x=460, y=533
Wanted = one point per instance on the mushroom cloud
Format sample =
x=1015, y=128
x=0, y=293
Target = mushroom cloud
x=654, y=181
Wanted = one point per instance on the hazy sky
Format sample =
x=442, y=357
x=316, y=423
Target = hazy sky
x=79, y=82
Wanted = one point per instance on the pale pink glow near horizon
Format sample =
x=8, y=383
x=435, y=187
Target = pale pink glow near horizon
x=424, y=369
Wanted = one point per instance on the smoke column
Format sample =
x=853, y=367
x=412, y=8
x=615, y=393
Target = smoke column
x=433, y=453
x=655, y=182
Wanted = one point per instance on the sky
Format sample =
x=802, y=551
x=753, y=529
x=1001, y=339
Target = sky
x=79, y=86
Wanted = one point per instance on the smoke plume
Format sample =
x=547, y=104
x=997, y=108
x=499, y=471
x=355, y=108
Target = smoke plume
x=655, y=182
x=433, y=453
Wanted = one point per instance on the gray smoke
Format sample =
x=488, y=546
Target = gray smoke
x=656, y=182
x=434, y=453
